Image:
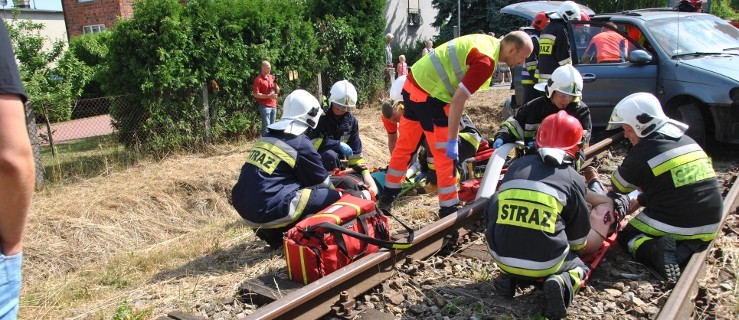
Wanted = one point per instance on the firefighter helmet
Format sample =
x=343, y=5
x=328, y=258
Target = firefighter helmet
x=559, y=137
x=643, y=112
x=343, y=94
x=565, y=79
x=301, y=111
x=541, y=19
x=569, y=10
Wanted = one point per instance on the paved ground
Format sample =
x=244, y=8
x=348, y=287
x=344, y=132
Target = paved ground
x=77, y=129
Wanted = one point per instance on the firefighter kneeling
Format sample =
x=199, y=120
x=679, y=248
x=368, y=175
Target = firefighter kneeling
x=539, y=219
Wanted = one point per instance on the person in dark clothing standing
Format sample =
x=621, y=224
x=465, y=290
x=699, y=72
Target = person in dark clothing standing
x=678, y=188
x=528, y=72
x=538, y=219
x=554, y=43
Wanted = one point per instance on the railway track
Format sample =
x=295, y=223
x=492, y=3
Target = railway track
x=335, y=294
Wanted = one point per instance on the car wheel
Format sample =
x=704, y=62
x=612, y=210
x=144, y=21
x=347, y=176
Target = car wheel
x=691, y=115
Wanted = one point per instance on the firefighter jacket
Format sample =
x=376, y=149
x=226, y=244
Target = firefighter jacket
x=554, y=48
x=679, y=189
x=332, y=130
x=524, y=124
x=528, y=72
x=276, y=180
x=440, y=72
x=537, y=216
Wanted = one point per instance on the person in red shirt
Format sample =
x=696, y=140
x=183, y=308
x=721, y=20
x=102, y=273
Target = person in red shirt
x=265, y=91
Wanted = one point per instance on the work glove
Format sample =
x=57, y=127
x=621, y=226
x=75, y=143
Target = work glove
x=452, y=149
x=498, y=143
x=531, y=144
x=345, y=149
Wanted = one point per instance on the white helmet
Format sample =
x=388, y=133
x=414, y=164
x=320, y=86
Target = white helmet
x=643, y=112
x=569, y=10
x=565, y=79
x=397, y=88
x=301, y=111
x=343, y=94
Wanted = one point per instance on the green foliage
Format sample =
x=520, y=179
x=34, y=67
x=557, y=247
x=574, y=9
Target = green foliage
x=352, y=42
x=92, y=50
x=167, y=53
x=477, y=15
x=51, y=88
x=725, y=9
x=127, y=312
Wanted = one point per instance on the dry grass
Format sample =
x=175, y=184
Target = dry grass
x=162, y=236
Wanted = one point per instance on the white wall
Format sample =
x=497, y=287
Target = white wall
x=396, y=15
x=53, y=21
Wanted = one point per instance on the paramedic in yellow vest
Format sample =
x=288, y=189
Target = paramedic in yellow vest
x=434, y=95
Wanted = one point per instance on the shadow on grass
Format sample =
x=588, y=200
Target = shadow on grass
x=85, y=158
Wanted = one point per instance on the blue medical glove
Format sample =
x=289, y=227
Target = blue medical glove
x=498, y=143
x=452, y=149
x=345, y=149
x=531, y=144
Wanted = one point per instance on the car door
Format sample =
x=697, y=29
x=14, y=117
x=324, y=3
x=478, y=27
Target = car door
x=608, y=81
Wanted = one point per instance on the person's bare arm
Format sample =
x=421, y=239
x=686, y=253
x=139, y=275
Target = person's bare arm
x=392, y=138
x=16, y=174
x=595, y=199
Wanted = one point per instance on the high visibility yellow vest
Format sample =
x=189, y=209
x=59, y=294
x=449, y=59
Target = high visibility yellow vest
x=440, y=72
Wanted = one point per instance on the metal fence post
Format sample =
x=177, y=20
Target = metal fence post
x=206, y=113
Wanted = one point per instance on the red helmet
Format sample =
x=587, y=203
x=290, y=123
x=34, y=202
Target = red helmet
x=559, y=135
x=584, y=16
x=540, y=21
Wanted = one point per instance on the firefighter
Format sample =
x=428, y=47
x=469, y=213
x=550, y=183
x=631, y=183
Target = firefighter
x=337, y=134
x=538, y=218
x=434, y=94
x=528, y=72
x=561, y=92
x=554, y=42
x=283, y=179
x=678, y=187
x=469, y=135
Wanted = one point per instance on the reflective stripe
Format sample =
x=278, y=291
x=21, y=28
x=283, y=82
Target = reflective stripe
x=354, y=156
x=471, y=138
x=578, y=244
x=529, y=268
x=440, y=145
x=636, y=242
x=317, y=142
x=663, y=162
x=325, y=184
x=279, y=148
x=514, y=128
x=531, y=64
x=535, y=186
x=530, y=130
x=430, y=160
x=287, y=256
x=393, y=185
x=448, y=203
x=297, y=205
x=395, y=173
x=356, y=207
x=302, y=265
x=565, y=61
x=345, y=137
x=620, y=184
x=447, y=190
x=441, y=72
x=653, y=227
x=319, y=215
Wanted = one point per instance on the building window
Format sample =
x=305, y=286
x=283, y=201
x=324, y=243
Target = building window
x=93, y=28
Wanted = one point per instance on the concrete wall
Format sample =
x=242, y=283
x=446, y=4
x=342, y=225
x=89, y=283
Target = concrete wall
x=396, y=15
x=53, y=21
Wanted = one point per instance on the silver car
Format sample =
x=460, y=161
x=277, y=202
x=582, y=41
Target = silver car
x=690, y=61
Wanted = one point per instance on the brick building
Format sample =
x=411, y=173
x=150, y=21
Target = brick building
x=85, y=16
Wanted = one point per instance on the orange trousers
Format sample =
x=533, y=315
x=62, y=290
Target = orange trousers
x=427, y=116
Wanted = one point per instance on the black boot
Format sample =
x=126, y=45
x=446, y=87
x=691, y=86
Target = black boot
x=505, y=286
x=451, y=239
x=557, y=295
x=385, y=203
x=659, y=256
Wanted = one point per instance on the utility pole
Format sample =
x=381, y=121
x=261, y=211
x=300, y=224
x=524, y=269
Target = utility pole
x=459, y=19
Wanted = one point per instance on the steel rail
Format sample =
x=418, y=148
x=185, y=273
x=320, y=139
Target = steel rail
x=680, y=304
x=316, y=299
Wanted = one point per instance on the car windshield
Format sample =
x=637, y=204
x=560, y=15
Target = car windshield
x=694, y=35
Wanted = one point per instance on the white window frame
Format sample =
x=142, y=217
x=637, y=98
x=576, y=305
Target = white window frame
x=93, y=28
